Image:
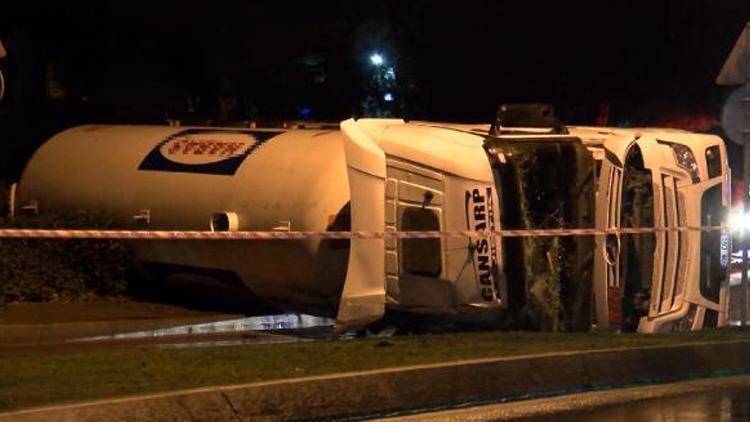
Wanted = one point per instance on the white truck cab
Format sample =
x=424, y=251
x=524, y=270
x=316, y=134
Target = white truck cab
x=669, y=280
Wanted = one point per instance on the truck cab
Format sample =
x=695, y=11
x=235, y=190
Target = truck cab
x=672, y=279
x=529, y=174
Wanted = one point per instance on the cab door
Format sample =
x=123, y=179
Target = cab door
x=415, y=267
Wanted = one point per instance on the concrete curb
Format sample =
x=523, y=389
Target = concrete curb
x=435, y=386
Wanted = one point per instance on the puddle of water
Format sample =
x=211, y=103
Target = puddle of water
x=277, y=323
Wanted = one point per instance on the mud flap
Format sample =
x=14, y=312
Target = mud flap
x=363, y=296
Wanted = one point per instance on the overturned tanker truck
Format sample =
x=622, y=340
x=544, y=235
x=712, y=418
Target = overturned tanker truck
x=527, y=172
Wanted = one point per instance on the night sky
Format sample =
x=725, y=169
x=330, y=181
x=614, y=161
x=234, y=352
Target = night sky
x=74, y=62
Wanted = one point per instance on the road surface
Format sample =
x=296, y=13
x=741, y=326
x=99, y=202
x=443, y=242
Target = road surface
x=718, y=399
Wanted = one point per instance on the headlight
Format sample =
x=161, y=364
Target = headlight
x=686, y=160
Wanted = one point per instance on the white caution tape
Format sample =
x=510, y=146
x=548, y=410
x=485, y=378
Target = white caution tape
x=299, y=235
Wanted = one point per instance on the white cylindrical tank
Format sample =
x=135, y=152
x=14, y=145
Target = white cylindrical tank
x=187, y=178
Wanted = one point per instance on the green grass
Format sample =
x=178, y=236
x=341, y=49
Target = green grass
x=39, y=379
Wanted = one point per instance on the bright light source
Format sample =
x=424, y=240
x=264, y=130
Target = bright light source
x=739, y=220
x=388, y=97
x=376, y=59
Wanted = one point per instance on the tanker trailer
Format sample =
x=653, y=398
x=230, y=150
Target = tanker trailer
x=372, y=175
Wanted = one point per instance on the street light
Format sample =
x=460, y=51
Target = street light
x=376, y=59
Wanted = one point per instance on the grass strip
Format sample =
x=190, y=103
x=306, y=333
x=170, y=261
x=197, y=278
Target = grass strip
x=33, y=380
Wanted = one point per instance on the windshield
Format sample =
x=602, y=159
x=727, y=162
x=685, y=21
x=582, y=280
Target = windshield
x=637, y=250
x=546, y=184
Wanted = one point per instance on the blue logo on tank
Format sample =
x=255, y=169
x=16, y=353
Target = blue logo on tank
x=205, y=151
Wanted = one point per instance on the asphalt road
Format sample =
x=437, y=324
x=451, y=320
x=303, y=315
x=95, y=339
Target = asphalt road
x=729, y=404
x=718, y=399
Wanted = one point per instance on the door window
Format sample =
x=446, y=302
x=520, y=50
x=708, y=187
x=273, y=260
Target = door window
x=421, y=256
